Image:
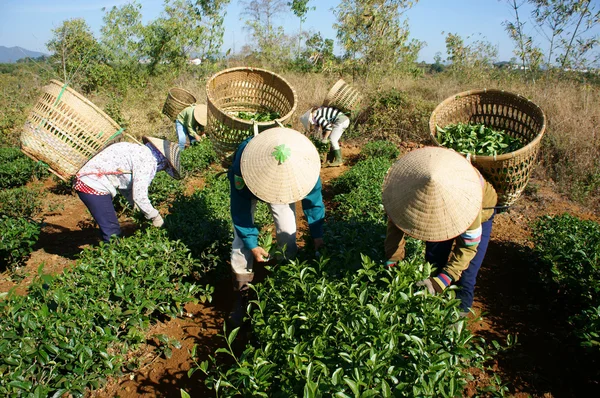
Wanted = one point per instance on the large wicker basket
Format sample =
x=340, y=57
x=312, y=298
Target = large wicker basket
x=244, y=90
x=500, y=110
x=343, y=97
x=65, y=130
x=177, y=100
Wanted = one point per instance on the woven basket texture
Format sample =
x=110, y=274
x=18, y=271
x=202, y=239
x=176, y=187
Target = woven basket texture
x=500, y=110
x=343, y=97
x=65, y=130
x=177, y=100
x=244, y=90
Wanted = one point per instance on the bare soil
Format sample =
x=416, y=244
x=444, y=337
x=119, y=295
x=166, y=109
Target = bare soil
x=545, y=362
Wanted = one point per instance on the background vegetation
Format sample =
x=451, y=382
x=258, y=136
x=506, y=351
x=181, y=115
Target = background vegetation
x=129, y=68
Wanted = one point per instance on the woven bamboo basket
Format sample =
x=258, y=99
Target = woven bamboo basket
x=343, y=97
x=177, y=100
x=244, y=90
x=65, y=130
x=500, y=110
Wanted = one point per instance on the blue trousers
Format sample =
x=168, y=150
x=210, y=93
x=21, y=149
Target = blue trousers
x=103, y=211
x=437, y=253
x=182, y=134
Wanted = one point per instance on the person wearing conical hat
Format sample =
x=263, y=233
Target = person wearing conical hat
x=333, y=123
x=190, y=124
x=129, y=169
x=279, y=166
x=436, y=195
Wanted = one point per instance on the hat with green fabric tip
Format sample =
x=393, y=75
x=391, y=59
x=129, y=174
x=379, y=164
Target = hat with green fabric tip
x=432, y=194
x=280, y=165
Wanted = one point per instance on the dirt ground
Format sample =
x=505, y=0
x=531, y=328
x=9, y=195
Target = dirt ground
x=508, y=299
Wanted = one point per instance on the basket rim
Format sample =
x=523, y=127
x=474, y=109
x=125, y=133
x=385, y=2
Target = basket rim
x=185, y=91
x=86, y=101
x=527, y=148
x=250, y=123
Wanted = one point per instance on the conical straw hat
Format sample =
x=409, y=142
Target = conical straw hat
x=200, y=114
x=432, y=194
x=169, y=151
x=280, y=165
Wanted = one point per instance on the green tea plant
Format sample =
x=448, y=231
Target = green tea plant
x=203, y=221
x=72, y=330
x=198, y=157
x=379, y=149
x=358, y=191
x=17, y=169
x=17, y=238
x=477, y=139
x=368, y=333
x=164, y=188
x=21, y=202
x=266, y=116
x=568, y=251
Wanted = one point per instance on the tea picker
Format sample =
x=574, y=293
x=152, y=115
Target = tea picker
x=333, y=122
x=279, y=166
x=190, y=121
x=436, y=195
x=128, y=168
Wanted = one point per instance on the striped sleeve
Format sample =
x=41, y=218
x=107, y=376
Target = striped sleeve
x=472, y=237
x=325, y=116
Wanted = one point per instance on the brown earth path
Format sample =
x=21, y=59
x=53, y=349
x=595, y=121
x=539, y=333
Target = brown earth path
x=543, y=363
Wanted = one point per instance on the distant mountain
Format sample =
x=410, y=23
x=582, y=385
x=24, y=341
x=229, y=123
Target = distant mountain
x=8, y=55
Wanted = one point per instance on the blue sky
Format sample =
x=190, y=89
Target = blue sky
x=29, y=23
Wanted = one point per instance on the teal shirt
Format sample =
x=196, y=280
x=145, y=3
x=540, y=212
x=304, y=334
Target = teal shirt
x=241, y=205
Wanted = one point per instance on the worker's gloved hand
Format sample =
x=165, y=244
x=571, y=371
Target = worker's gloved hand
x=158, y=221
x=260, y=254
x=428, y=283
x=390, y=263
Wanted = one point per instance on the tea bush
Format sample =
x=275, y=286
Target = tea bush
x=164, y=188
x=358, y=191
x=17, y=238
x=17, y=169
x=21, y=202
x=368, y=333
x=379, y=149
x=203, y=221
x=72, y=330
x=568, y=250
x=198, y=157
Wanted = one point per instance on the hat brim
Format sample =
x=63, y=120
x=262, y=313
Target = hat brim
x=200, y=114
x=169, y=150
x=432, y=194
x=275, y=181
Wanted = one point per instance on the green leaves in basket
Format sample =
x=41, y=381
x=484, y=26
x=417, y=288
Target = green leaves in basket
x=281, y=153
x=477, y=139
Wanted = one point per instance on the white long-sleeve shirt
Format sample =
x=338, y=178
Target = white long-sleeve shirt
x=124, y=166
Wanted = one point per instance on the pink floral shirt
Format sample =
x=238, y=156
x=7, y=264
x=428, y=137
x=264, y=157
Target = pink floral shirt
x=126, y=167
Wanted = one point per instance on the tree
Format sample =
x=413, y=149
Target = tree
x=568, y=27
x=185, y=27
x=269, y=39
x=373, y=34
x=78, y=55
x=526, y=51
x=122, y=31
x=479, y=54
